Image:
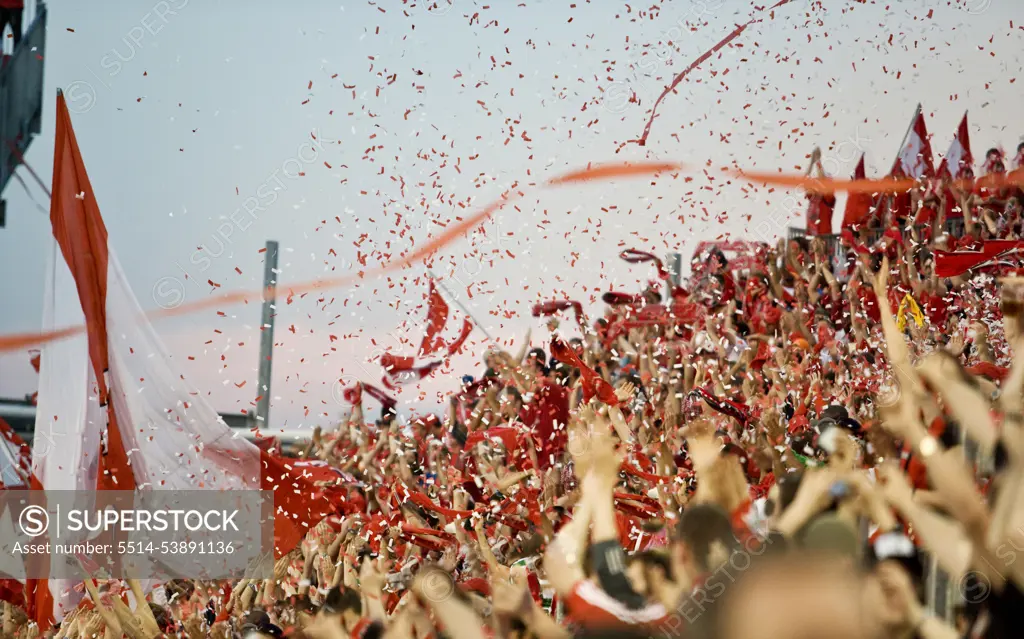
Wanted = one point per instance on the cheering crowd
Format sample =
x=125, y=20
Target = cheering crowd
x=776, y=448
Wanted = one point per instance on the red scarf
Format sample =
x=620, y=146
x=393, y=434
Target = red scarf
x=593, y=385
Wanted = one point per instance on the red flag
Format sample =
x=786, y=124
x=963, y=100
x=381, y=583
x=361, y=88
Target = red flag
x=593, y=384
x=106, y=302
x=959, y=156
x=554, y=306
x=387, y=402
x=456, y=347
x=354, y=394
x=437, y=316
x=915, y=158
x=394, y=378
x=634, y=256
x=613, y=298
x=858, y=205
x=993, y=254
x=298, y=504
x=914, y=161
x=82, y=237
x=397, y=364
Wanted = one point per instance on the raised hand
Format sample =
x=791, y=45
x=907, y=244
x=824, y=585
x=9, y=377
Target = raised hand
x=625, y=392
x=92, y=627
x=895, y=487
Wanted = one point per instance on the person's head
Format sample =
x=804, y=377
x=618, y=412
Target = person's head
x=536, y=361
x=387, y=416
x=704, y=540
x=257, y=622
x=793, y=597
x=992, y=155
x=511, y=402
x=518, y=630
x=648, y=572
x=652, y=295
x=885, y=589
x=829, y=536
x=344, y=605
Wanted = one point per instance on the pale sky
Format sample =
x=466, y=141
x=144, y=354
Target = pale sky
x=188, y=112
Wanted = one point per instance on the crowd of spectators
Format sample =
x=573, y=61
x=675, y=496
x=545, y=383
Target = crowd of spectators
x=777, y=450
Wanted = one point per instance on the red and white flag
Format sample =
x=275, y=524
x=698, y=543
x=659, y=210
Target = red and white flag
x=122, y=416
x=959, y=155
x=915, y=158
x=914, y=161
x=405, y=370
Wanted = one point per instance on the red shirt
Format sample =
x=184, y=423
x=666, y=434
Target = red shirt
x=869, y=303
x=935, y=308
x=819, y=214
x=591, y=607
x=547, y=415
x=925, y=215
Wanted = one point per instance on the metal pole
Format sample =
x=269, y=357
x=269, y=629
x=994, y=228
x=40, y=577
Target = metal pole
x=267, y=334
x=675, y=273
x=455, y=299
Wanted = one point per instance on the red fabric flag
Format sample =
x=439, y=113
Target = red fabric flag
x=394, y=378
x=298, y=504
x=959, y=156
x=634, y=256
x=554, y=306
x=456, y=347
x=387, y=402
x=915, y=158
x=82, y=237
x=620, y=299
x=993, y=254
x=397, y=364
x=437, y=317
x=507, y=435
x=989, y=370
x=858, y=205
x=593, y=384
x=914, y=161
x=354, y=394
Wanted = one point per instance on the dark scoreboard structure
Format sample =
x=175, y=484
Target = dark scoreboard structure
x=21, y=98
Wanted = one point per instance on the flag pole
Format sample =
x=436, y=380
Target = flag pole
x=267, y=320
x=458, y=303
